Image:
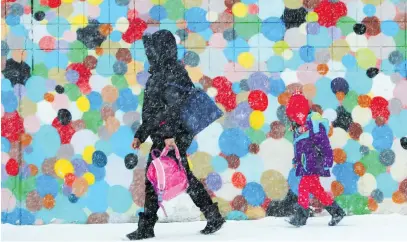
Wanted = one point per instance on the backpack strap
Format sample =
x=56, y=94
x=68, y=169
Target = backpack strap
x=177, y=154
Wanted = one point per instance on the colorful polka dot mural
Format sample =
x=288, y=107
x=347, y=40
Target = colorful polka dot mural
x=74, y=71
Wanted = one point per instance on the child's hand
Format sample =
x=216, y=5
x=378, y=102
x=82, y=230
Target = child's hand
x=136, y=143
x=170, y=143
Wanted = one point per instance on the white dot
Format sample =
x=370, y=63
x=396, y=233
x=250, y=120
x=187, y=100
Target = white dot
x=361, y=115
x=366, y=139
x=366, y=184
x=339, y=138
x=212, y=16
x=330, y=114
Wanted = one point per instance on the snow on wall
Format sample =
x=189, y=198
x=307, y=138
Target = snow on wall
x=73, y=74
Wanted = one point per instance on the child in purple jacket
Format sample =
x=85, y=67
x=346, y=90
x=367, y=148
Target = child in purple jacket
x=313, y=158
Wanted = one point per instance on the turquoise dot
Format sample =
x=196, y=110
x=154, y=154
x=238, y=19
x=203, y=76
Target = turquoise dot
x=275, y=64
x=123, y=135
x=349, y=61
x=47, y=185
x=180, y=52
x=68, y=212
x=401, y=68
x=397, y=124
x=57, y=26
x=193, y=147
x=236, y=87
x=19, y=30
x=369, y=10
x=103, y=146
x=325, y=97
x=352, y=149
x=236, y=215
x=254, y=194
x=51, y=59
x=47, y=139
x=389, y=27
x=36, y=156
x=252, y=167
x=359, y=82
x=293, y=181
x=119, y=199
x=96, y=197
x=95, y=100
x=387, y=67
x=322, y=39
x=295, y=62
x=9, y=101
x=6, y=85
x=196, y=19
x=116, y=36
x=105, y=63
x=234, y=142
x=206, y=34
x=158, y=13
x=386, y=184
x=382, y=137
x=5, y=145
x=276, y=87
x=346, y=176
x=36, y=88
x=219, y=164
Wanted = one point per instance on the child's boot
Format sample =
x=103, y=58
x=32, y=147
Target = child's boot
x=145, y=229
x=214, y=219
x=300, y=216
x=336, y=212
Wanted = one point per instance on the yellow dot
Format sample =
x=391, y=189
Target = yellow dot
x=280, y=46
x=63, y=167
x=246, y=60
x=79, y=20
x=87, y=154
x=257, y=119
x=70, y=1
x=239, y=10
x=312, y=17
x=190, y=163
x=83, y=104
x=95, y=2
x=89, y=177
x=158, y=2
x=194, y=73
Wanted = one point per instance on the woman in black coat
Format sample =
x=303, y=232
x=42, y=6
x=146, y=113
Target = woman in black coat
x=165, y=129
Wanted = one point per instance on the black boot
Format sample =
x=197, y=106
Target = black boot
x=336, y=212
x=300, y=216
x=145, y=229
x=214, y=219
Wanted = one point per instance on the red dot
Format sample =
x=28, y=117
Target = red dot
x=47, y=43
x=54, y=3
x=379, y=107
x=69, y=179
x=258, y=100
x=238, y=180
x=253, y=9
x=12, y=126
x=222, y=84
x=266, y=203
x=65, y=131
x=12, y=167
x=329, y=12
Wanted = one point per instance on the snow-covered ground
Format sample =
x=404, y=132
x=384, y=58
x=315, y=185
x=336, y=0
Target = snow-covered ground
x=366, y=228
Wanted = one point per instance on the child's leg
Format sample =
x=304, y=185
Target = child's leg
x=318, y=191
x=303, y=192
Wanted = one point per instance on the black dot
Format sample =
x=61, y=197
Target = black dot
x=59, y=89
x=372, y=72
x=40, y=15
x=403, y=142
x=343, y=119
x=64, y=116
x=359, y=29
x=130, y=161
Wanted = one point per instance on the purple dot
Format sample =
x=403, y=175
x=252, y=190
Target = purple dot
x=80, y=166
x=19, y=90
x=214, y=181
x=258, y=81
x=63, y=46
x=334, y=32
x=72, y=76
x=25, y=172
x=313, y=28
x=66, y=190
x=142, y=78
x=28, y=149
x=50, y=85
x=4, y=174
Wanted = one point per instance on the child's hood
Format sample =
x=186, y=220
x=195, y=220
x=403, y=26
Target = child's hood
x=316, y=119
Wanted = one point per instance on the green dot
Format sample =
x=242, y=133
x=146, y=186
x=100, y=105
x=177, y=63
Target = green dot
x=354, y=204
x=175, y=9
x=141, y=99
x=365, y=58
x=350, y=101
x=372, y=163
x=93, y=120
x=255, y=136
x=72, y=91
x=288, y=134
x=40, y=70
x=248, y=26
x=119, y=82
x=346, y=25
x=77, y=52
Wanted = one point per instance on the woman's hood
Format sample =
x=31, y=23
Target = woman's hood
x=160, y=47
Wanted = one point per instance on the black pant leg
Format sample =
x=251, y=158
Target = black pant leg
x=151, y=199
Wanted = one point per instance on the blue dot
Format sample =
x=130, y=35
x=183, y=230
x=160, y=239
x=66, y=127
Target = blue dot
x=36, y=88
x=104, y=66
x=397, y=124
x=276, y=87
x=196, y=19
x=47, y=139
x=254, y=194
x=116, y=36
x=99, y=158
x=236, y=215
x=295, y=62
x=98, y=172
x=352, y=149
x=95, y=100
x=377, y=195
x=180, y=53
x=346, y=176
x=193, y=147
x=158, y=13
x=219, y=164
x=6, y=85
x=382, y=137
x=369, y=10
x=234, y=142
x=5, y=145
x=322, y=39
x=58, y=26
x=47, y=185
x=275, y=64
x=293, y=181
x=386, y=184
x=389, y=27
x=324, y=96
x=402, y=68
x=12, y=20
x=9, y=101
x=72, y=198
x=252, y=167
x=119, y=199
x=273, y=28
x=359, y=82
x=120, y=68
x=349, y=61
x=104, y=146
x=18, y=217
x=339, y=85
x=236, y=87
x=123, y=135
x=96, y=197
x=127, y=101
x=307, y=53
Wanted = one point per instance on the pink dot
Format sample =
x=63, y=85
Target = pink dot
x=69, y=36
x=400, y=93
x=93, y=11
x=217, y=41
x=305, y=76
x=47, y=43
x=27, y=9
x=32, y=124
x=61, y=101
x=253, y=9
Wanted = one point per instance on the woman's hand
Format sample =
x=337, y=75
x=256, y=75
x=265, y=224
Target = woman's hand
x=136, y=143
x=170, y=143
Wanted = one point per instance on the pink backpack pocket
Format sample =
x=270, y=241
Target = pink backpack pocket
x=167, y=176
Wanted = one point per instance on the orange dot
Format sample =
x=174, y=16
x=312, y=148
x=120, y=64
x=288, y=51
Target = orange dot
x=339, y=156
x=69, y=179
x=25, y=139
x=33, y=169
x=398, y=197
x=283, y=98
x=337, y=188
x=340, y=96
x=359, y=168
x=372, y=204
x=48, y=201
x=331, y=131
x=105, y=29
x=238, y=180
x=322, y=69
x=99, y=51
x=49, y=97
x=364, y=101
x=181, y=24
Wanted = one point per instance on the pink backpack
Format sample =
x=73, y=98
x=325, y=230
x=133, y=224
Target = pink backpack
x=168, y=176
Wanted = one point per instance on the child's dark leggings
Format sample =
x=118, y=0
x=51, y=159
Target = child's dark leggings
x=311, y=184
x=195, y=190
